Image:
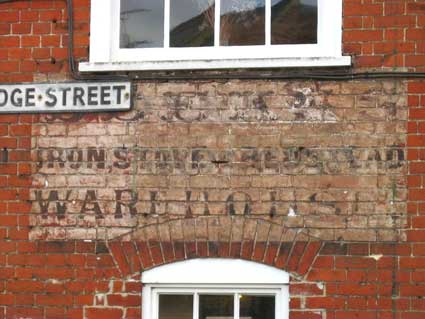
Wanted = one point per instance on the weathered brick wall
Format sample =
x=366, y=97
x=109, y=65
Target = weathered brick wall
x=327, y=157
x=322, y=179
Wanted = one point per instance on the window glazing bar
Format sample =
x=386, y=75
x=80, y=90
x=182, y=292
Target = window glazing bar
x=167, y=23
x=268, y=22
x=217, y=19
x=236, y=306
x=195, y=305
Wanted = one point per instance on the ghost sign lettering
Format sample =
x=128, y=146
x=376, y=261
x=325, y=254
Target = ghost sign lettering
x=65, y=97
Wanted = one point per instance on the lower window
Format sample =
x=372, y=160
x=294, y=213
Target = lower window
x=215, y=289
x=216, y=303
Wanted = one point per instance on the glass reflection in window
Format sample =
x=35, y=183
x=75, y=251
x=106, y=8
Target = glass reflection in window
x=257, y=307
x=294, y=21
x=175, y=307
x=142, y=24
x=191, y=23
x=216, y=306
x=242, y=22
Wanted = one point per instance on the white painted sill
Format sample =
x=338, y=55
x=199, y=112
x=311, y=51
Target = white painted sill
x=215, y=64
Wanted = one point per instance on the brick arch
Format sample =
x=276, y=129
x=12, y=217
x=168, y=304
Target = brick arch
x=263, y=241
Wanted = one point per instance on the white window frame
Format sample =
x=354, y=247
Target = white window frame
x=197, y=290
x=106, y=55
x=218, y=277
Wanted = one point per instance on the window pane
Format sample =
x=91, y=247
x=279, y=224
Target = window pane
x=175, y=306
x=216, y=307
x=294, y=21
x=257, y=307
x=242, y=22
x=142, y=24
x=192, y=23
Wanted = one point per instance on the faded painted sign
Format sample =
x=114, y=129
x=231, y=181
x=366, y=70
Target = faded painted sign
x=312, y=157
x=65, y=97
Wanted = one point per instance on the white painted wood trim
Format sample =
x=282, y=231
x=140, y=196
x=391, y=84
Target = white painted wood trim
x=217, y=21
x=216, y=64
x=284, y=302
x=221, y=53
x=215, y=271
x=167, y=17
x=147, y=301
x=100, y=41
x=268, y=22
x=236, y=306
x=195, y=305
x=329, y=33
x=114, y=37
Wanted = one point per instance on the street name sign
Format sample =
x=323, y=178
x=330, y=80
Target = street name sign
x=65, y=97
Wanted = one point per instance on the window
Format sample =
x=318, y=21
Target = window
x=201, y=34
x=215, y=289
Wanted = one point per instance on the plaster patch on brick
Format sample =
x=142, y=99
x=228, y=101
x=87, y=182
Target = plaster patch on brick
x=291, y=212
x=376, y=257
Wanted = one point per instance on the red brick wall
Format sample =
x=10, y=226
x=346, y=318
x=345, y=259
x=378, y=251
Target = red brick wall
x=385, y=34
x=333, y=278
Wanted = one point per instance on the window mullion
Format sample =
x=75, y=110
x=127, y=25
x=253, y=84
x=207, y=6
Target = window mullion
x=236, y=306
x=268, y=22
x=167, y=23
x=195, y=305
x=217, y=17
x=155, y=305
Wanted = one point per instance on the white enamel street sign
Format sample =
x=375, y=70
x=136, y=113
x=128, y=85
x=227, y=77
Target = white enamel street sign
x=65, y=97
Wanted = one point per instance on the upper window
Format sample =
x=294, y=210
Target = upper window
x=199, y=34
x=215, y=289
